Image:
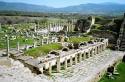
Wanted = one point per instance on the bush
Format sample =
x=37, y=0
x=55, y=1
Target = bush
x=83, y=44
x=123, y=58
x=55, y=53
x=70, y=46
x=76, y=45
x=65, y=49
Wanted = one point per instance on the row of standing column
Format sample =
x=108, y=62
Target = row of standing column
x=78, y=58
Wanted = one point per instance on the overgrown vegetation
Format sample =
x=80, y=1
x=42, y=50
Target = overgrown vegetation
x=79, y=39
x=118, y=78
x=43, y=50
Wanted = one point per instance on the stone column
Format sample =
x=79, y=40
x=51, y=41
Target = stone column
x=65, y=64
x=84, y=56
x=50, y=69
x=100, y=48
x=70, y=60
x=106, y=43
x=7, y=40
x=34, y=44
x=88, y=54
x=103, y=47
x=97, y=50
x=26, y=47
x=42, y=42
x=80, y=57
x=76, y=59
x=18, y=46
x=58, y=64
x=92, y=52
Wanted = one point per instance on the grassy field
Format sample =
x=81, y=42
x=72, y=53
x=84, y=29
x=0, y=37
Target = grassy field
x=13, y=43
x=79, y=39
x=43, y=50
x=119, y=78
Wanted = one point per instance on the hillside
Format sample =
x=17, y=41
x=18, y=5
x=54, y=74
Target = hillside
x=102, y=8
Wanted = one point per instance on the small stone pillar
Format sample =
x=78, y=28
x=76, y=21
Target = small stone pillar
x=84, y=56
x=47, y=41
x=100, y=49
x=18, y=46
x=71, y=61
x=92, y=52
x=34, y=44
x=50, y=69
x=80, y=57
x=103, y=47
x=26, y=47
x=88, y=54
x=7, y=40
x=65, y=63
x=76, y=59
x=42, y=42
x=58, y=64
x=97, y=50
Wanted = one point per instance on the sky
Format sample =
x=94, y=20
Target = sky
x=63, y=3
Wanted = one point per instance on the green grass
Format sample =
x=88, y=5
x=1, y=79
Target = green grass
x=43, y=50
x=79, y=39
x=119, y=78
x=13, y=43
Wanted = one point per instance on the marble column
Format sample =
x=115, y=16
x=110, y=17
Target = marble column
x=71, y=61
x=88, y=54
x=34, y=44
x=58, y=64
x=97, y=50
x=84, y=56
x=18, y=46
x=65, y=64
x=50, y=69
x=7, y=40
x=76, y=59
x=80, y=57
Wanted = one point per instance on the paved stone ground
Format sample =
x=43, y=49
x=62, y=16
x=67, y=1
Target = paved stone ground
x=78, y=73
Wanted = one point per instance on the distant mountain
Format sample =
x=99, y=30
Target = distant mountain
x=102, y=8
x=23, y=7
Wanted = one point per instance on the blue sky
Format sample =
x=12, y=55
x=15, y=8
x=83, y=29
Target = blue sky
x=63, y=3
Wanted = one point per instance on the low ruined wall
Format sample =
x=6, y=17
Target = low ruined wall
x=103, y=70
